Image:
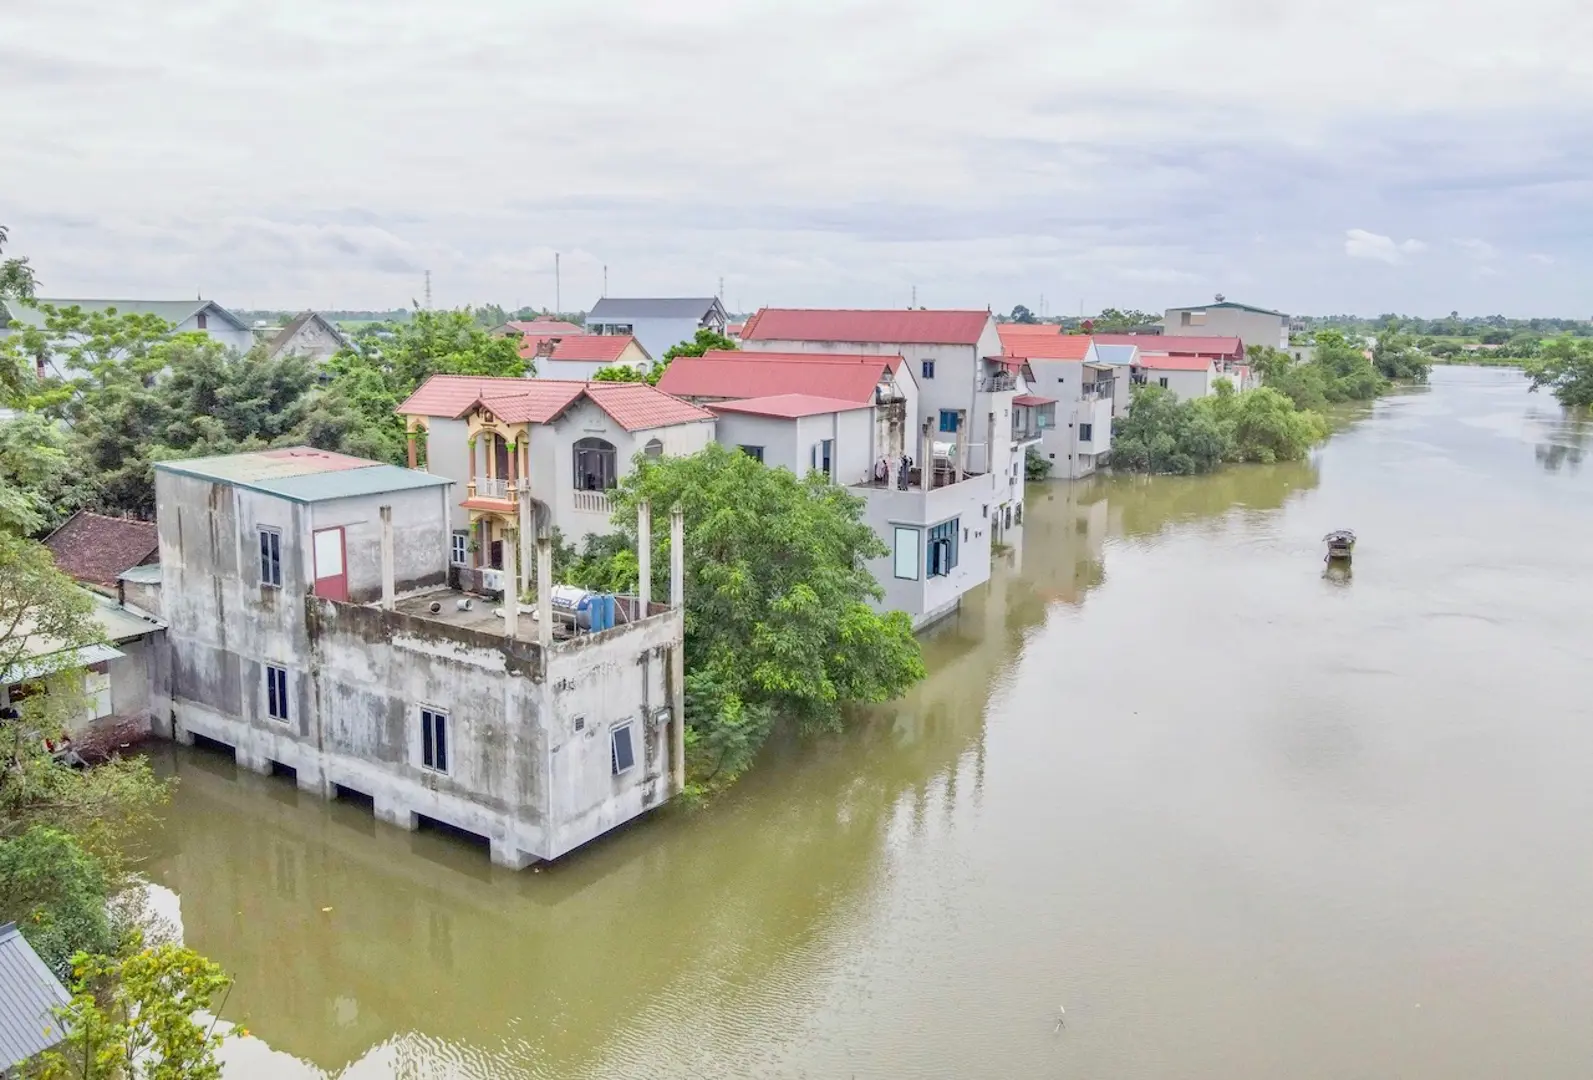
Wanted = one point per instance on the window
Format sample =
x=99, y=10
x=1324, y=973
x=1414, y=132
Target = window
x=461, y=548
x=595, y=465
x=753, y=452
x=822, y=453
x=434, y=740
x=200, y=320
x=622, y=755
x=1185, y=318
x=984, y=511
x=905, y=562
x=276, y=692
x=271, y=558
x=654, y=448
x=929, y=369
x=1085, y=431
x=1162, y=382
x=943, y=547
x=948, y=419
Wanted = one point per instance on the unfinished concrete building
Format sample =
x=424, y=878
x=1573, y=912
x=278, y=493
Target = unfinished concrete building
x=312, y=628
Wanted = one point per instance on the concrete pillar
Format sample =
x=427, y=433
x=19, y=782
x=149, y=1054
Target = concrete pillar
x=677, y=717
x=389, y=589
x=644, y=556
x=677, y=558
x=964, y=433
x=544, y=591
x=252, y=760
x=504, y=853
x=926, y=460
x=181, y=735
x=413, y=457
x=511, y=591
x=527, y=536
x=389, y=809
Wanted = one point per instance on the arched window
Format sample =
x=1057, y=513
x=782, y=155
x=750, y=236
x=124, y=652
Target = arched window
x=595, y=461
x=654, y=448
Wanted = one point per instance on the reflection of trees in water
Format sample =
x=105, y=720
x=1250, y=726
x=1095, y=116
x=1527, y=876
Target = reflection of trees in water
x=1567, y=438
x=695, y=909
x=1148, y=504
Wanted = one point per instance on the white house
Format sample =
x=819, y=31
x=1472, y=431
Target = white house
x=852, y=417
x=657, y=322
x=965, y=385
x=1122, y=359
x=1224, y=318
x=1187, y=377
x=1065, y=367
x=579, y=356
x=310, y=335
x=205, y=316
x=542, y=449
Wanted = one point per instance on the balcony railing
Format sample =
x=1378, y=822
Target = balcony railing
x=490, y=489
x=594, y=502
x=1001, y=380
x=1026, y=434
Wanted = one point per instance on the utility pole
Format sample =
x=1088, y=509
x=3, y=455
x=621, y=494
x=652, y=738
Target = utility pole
x=558, y=299
x=428, y=290
x=605, y=279
x=914, y=305
x=721, y=288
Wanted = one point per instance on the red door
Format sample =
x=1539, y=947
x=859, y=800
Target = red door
x=331, y=564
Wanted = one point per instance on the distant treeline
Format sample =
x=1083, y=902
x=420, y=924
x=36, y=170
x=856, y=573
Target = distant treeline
x=1487, y=329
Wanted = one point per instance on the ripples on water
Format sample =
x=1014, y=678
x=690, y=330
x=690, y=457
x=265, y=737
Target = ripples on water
x=1244, y=819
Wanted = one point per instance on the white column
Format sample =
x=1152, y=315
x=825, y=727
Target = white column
x=511, y=591
x=389, y=589
x=527, y=537
x=544, y=591
x=677, y=558
x=644, y=557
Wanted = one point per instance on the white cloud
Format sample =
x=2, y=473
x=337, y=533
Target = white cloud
x=1478, y=249
x=1539, y=257
x=1360, y=244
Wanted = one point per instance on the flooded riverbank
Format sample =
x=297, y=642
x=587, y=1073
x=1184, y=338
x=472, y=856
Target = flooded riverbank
x=1241, y=819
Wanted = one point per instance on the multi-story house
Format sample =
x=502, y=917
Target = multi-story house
x=854, y=417
x=580, y=356
x=966, y=385
x=1183, y=361
x=312, y=629
x=204, y=316
x=657, y=322
x=1224, y=318
x=538, y=453
x=1064, y=368
x=310, y=335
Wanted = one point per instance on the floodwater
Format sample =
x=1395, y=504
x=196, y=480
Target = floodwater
x=1243, y=820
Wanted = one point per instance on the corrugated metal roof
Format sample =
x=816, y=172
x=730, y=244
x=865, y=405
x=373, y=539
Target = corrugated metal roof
x=28, y=994
x=61, y=660
x=1116, y=354
x=1047, y=347
x=173, y=311
x=759, y=375
x=1170, y=344
x=669, y=307
x=1175, y=363
x=1231, y=304
x=886, y=326
x=148, y=574
x=304, y=474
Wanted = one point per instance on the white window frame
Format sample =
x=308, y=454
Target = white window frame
x=459, y=548
x=429, y=741
x=904, y=546
x=270, y=532
x=629, y=727
x=276, y=686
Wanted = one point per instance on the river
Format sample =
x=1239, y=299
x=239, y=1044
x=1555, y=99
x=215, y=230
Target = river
x=1241, y=819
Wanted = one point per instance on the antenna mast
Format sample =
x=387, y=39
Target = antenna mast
x=558, y=300
x=428, y=290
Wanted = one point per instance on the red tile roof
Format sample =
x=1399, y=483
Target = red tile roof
x=789, y=406
x=894, y=327
x=605, y=348
x=1013, y=331
x=724, y=374
x=634, y=406
x=1175, y=363
x=1174, y=344
x=1032, y=400
x=95, y=548
x=1047, y=346
x=734, y=329
x=530, y=343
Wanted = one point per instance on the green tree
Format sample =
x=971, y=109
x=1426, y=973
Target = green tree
x=1161, y=434
x=1347, y=374
x=704, y=340
x=42, y=481
x=1565, y=366
x=57, y=893
x=449, y=343
x=1035, y=467
x=619, y=373
x=1261, y=425
x=1021, y=314
x=221, y=402
x=1114, y=321
x=778, y=624
x=1396, y=356
x=16, y=276
x=149, y=1015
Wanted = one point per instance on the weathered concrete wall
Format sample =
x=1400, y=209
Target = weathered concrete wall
x=776, y=435
x=604, y=681
x=133, y=676
x=852, y=434
x=922, y=597
x=420, y=538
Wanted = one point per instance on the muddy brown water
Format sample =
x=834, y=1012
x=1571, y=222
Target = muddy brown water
x=1241, y=819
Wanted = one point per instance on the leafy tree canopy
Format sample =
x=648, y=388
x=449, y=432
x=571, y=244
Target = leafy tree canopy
x=778, y=625
x=1565, y=366
x=1161, y=434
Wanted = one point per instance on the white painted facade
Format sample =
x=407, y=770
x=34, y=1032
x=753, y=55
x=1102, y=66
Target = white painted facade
x=1253, y=326
x=1185, y=385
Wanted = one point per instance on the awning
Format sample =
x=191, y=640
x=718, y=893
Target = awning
x=37, y=666
x=1031, y=400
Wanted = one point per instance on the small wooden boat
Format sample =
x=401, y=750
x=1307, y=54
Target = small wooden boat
x=1340, y=545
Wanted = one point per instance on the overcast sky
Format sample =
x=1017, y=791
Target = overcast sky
x=1312, y=155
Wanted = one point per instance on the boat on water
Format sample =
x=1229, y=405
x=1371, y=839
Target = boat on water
x=1340, y=545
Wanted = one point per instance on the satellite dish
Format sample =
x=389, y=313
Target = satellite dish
x=1221, y=298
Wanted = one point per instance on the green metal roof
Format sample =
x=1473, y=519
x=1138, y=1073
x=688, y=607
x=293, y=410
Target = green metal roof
x=1232, y=304
x=304, y=474
x=173, y=311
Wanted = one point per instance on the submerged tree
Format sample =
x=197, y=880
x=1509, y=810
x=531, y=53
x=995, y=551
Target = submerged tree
x=1565, y=366
x=778, y=622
